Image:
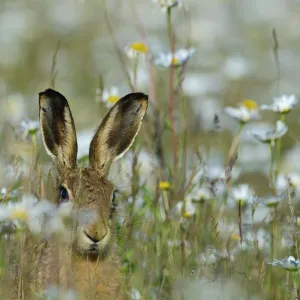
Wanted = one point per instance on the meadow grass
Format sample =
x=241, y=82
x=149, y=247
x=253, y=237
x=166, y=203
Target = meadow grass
x=195, y=218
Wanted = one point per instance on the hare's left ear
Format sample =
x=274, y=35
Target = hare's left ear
x=117, y=131
x=58, y=129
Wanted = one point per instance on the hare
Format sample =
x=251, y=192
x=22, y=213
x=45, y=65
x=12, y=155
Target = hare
x=90, y=264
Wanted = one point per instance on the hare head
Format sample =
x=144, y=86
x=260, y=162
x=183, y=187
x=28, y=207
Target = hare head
x=88, y=188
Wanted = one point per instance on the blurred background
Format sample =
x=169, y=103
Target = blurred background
x=234, y=56
x=243, y=50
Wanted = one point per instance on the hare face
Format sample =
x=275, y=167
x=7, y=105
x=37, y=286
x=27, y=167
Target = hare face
x=92, y=196
x=88, y=188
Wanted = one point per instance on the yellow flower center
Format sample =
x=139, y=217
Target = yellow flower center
x=175, y=61
x=19, y=214
x=164, y=185
x=235, y=237
x=186, y=214
x=139, y=47
x=249, y=104
x=113, y=98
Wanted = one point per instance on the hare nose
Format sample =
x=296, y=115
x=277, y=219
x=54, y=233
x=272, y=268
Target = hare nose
x=95, y=232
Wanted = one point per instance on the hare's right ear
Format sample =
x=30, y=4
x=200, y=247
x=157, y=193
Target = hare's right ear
x=58, y=129
x=117, y=131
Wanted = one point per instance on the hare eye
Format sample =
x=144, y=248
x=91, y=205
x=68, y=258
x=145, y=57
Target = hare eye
x=114, y=196
x=64, y=195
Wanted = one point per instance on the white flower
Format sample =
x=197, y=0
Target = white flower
x=273, y=201
x=247, y=111
x=44, y=219
x=41, y=217
x=135, y=294
x=186, y=208
x=166, y=60
x=283, y=104
x=165, y=4
x=242, y=193
x=285, y=181
x=110, y=96
x=199, y=194
x=216, y=172
x=270, y=136
x=21, y=210
x=135, y=49
x=289, y=264
x=10, y=194
x=29, y=127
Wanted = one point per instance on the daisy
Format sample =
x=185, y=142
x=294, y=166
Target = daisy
x=186, y=208
x=110, y=96
x=283, y=104
x=135, y=49
x=242, y=193
x=180, y=57
x=289, y=264
x=270, y=136
x=29, y=127
x=166, y=4
x=246, y=112
x=199, y=194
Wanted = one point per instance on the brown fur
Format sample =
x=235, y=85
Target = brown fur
x=89, y=263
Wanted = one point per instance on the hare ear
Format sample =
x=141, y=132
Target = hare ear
x=117, y=131
x=58, y=129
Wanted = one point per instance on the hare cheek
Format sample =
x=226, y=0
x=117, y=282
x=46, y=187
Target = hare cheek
x=104, y=242
x=83, y=242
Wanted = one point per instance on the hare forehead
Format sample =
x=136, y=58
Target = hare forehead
x=87, y=184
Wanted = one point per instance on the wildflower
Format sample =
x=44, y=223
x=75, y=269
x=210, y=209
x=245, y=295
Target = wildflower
x=110, y=97
x=135, y=294
x=283, y=104
x=166, y=4
x=270, y=136
x=247, y=111
x=186, y=208
x=242, y=193
x=286, y=181
x=199, y=194
x=289, y=264
x=273, y=201
x=20, y=210
x=135, y=49
x=180, y=57
x=28, y=127
x=41, y=217
x=164, y=185
x=9, y=194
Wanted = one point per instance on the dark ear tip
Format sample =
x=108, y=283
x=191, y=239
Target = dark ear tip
x=51, y=96
x=47, y=92
x=136, y=97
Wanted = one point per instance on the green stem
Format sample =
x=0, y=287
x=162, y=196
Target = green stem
x=278, y=150
x=135, y=70
x=171, y=91
x=271, y=145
